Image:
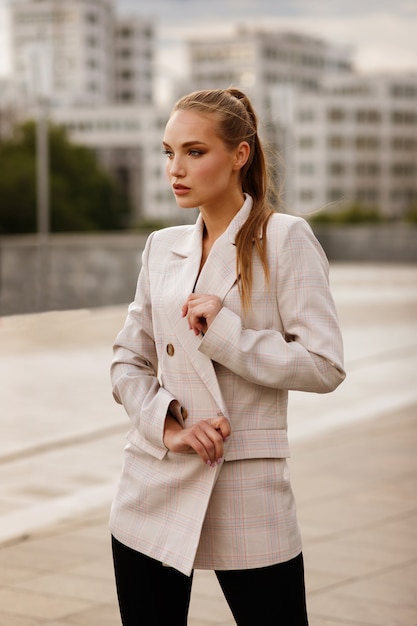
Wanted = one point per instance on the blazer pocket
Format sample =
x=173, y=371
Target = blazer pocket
x=257, y=444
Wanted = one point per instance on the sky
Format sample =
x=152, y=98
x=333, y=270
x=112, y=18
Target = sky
x=381, y=33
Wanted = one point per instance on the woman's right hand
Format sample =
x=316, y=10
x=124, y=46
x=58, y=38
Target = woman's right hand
x=205, y=438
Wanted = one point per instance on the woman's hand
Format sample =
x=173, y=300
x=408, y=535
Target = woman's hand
x=200, y=311
x=205, y=438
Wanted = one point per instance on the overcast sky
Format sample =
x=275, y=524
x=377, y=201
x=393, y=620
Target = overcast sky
x=382, y=33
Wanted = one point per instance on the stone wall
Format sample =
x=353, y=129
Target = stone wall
x=82, y=271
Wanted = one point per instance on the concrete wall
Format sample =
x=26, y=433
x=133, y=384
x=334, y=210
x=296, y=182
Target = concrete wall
x=384, y=243
x=78, y=271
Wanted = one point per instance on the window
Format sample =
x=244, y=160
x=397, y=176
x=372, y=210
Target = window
x=403, y=169
x=404, y=117
x=404, y=91
x=404, y=143
x=368, y=115
x=368, y=169
x=336, y=169
x=125, y=32
x=367, y=195
x=334, y=194
x=306, y=142
x=335, y=141
x=335, y=115
x=367, y=142
x=125, y=53
x=92, y=18
x=126, y=96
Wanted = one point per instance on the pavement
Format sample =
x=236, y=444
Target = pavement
x=353, y=465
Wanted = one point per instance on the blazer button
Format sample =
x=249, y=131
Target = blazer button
x=184, y=413
x=170, y=349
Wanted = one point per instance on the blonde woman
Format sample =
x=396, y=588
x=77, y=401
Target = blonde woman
x=229, y=315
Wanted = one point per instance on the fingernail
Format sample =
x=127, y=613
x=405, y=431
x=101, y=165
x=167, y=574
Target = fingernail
x=219, y=460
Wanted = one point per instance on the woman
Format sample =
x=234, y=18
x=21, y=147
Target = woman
x=229, y=315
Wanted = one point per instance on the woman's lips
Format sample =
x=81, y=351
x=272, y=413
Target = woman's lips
x=180, y=190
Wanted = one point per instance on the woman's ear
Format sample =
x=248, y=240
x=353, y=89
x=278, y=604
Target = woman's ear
x=241, y=155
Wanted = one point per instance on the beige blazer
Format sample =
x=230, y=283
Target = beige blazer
x=241, y=514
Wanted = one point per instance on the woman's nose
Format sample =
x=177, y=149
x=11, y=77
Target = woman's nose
x=176, y=167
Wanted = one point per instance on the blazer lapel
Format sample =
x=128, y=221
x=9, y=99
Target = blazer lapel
x=180, y=279
x=219, y=272
x=217, y=277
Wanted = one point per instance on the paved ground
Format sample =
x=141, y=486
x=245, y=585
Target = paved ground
x=354, y=466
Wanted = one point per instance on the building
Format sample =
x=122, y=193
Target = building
x=344, y=138
x=352, y=141
x=128, y=141
x=14, y=105
x=134, y=60
x=257, y=60
x=79, y=53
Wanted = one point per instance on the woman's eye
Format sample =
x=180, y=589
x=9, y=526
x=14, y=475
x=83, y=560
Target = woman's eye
x=195, y=153
x=167, y=153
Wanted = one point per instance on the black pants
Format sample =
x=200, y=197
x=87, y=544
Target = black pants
x=150, y=593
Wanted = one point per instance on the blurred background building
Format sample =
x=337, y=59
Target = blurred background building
x=344, y=137
x=257, y=60
x=352, y=141
x=95, y=58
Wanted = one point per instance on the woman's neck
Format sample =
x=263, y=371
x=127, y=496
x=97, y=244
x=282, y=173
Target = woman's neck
x=217, y=219
x=216, y=222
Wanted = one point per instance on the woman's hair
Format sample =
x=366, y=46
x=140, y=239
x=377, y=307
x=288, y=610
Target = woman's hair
x=237, y=122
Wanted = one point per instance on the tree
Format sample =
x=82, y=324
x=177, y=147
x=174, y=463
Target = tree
x=83, y=196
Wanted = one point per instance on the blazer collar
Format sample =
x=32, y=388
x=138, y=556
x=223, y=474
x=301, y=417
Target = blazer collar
x=191, y=239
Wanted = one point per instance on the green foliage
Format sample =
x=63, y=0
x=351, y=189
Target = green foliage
x=411, y=215
x=82, y=195
x=149, y=225
x=352, y=214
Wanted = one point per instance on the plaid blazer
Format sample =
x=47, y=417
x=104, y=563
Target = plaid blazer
x=241, y=514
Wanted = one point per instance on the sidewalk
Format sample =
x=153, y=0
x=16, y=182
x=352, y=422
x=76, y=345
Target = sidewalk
x=354, y=469
x=356, y=492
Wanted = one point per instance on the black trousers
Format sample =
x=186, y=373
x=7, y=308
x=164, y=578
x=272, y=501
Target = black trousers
x=150, y=593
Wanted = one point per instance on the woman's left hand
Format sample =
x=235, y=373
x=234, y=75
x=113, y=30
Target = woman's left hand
x=200, y=311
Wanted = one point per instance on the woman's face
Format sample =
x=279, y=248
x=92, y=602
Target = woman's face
x=202, y=170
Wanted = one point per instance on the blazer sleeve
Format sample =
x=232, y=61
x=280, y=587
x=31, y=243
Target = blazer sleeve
x=134, y=369
x=308, y=354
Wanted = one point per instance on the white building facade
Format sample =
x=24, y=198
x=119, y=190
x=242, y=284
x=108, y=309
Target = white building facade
x=352, y=142
x=257, y=60
x=134, y=60
x=89, y=57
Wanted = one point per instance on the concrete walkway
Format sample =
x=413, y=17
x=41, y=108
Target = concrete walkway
x=354, y=467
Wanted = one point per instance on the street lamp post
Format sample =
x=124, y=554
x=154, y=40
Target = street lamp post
x=39, y=64
x=43, y=226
